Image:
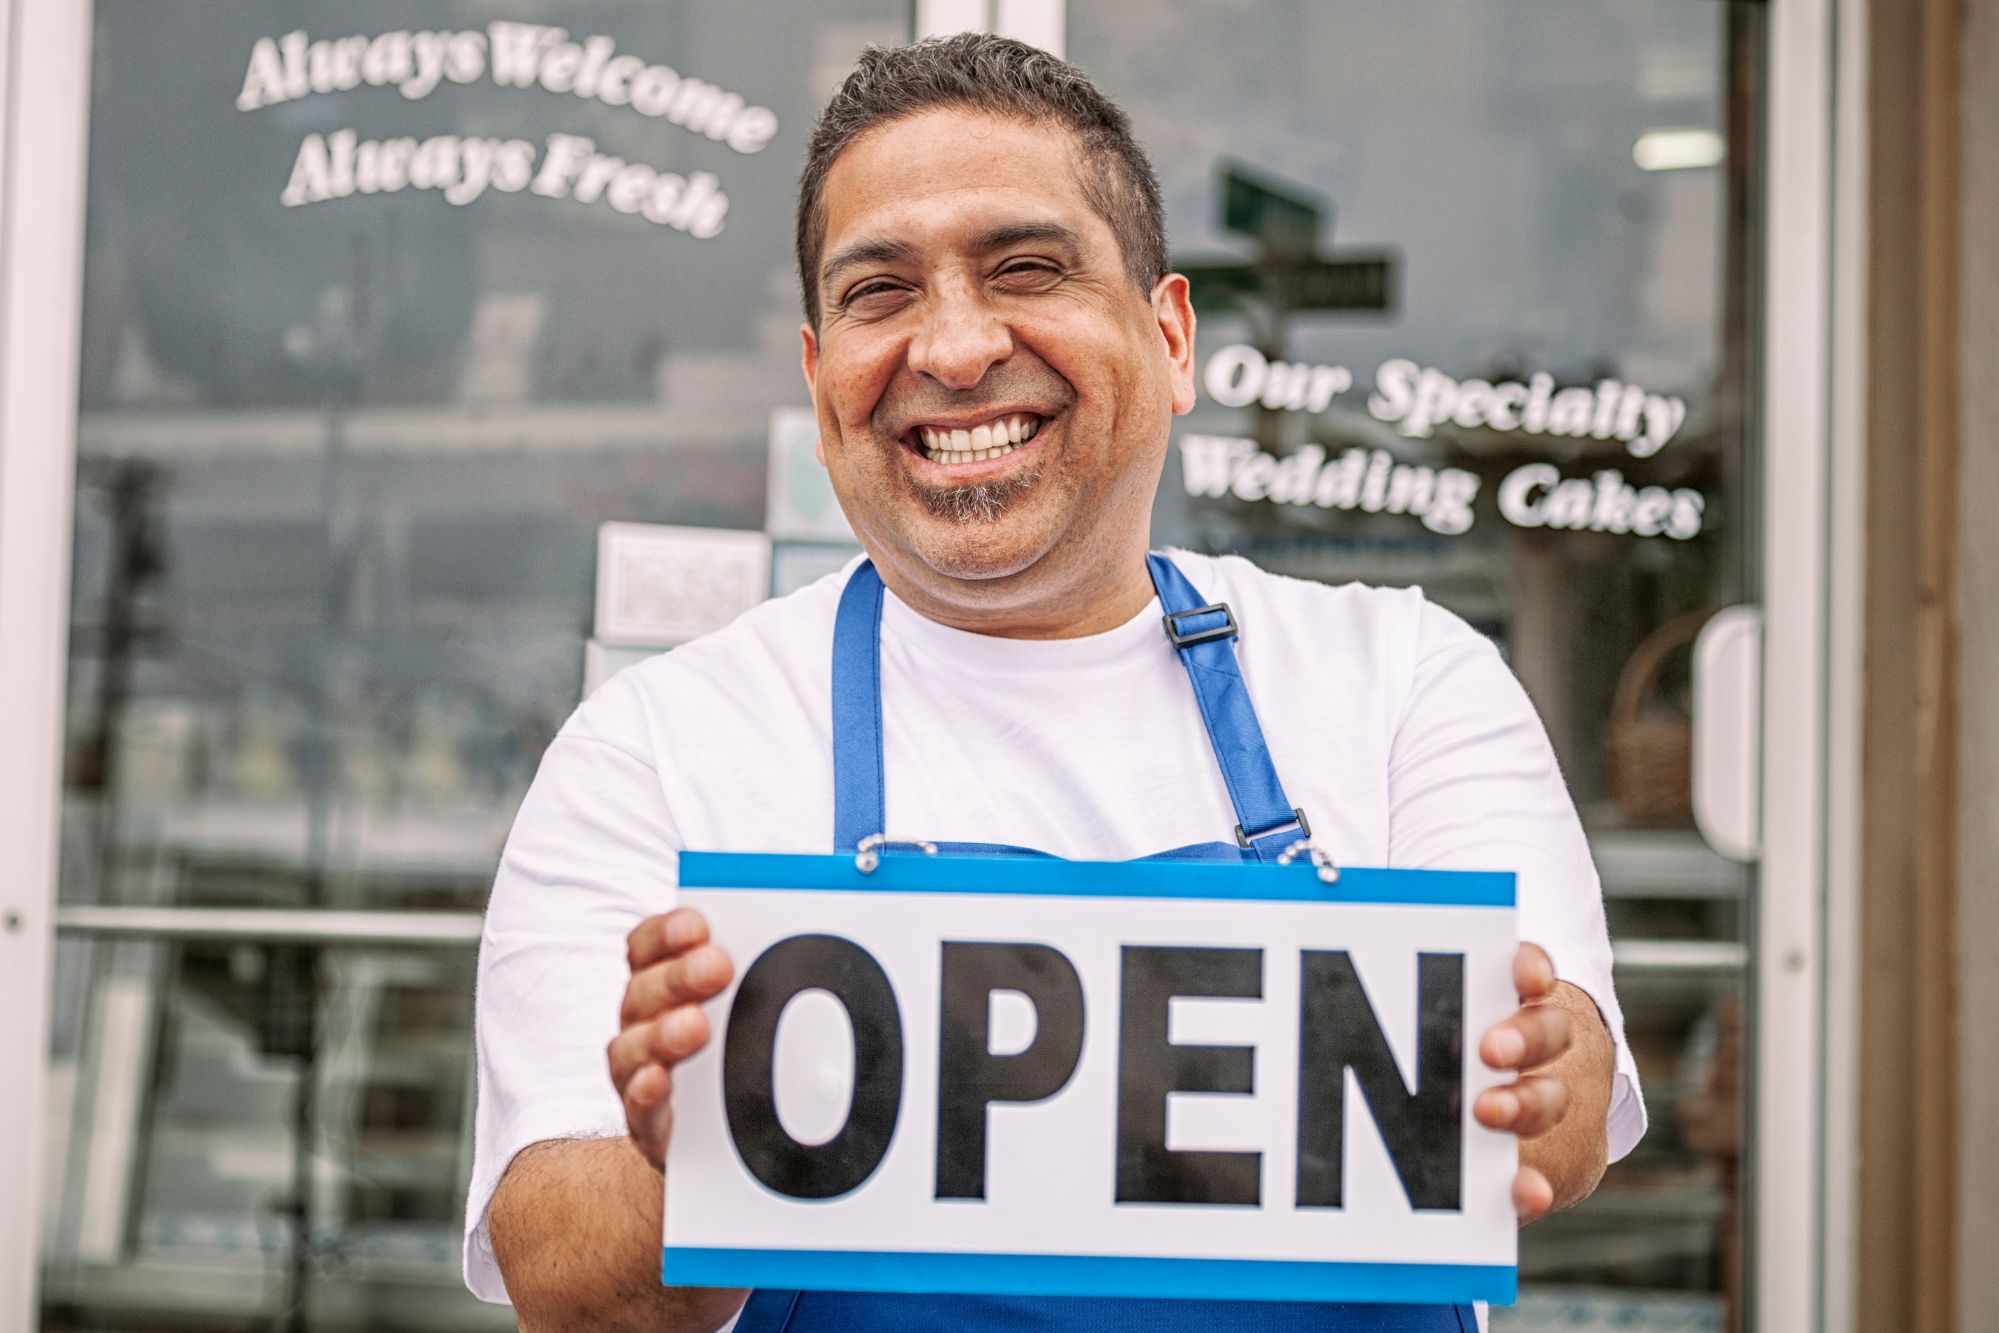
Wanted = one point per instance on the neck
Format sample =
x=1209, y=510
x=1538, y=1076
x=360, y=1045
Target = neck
x=1033, y=604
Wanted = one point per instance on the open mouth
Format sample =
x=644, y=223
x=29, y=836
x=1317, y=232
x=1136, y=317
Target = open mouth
x=992, y=439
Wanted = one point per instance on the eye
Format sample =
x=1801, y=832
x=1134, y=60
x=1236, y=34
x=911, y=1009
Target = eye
x=874, y=296
x=1028, y=270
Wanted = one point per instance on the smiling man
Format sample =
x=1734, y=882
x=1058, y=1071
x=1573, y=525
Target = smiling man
x=996, y=351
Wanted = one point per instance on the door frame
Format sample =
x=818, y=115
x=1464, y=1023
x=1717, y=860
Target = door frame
x=1805, y=980
x=1805, y=977
x=44, y=105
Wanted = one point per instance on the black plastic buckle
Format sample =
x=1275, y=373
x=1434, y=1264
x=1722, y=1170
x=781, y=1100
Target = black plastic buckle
x=1187, y=638
x=1304, y=829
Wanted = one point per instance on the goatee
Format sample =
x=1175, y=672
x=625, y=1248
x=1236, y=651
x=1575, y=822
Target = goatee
x=975, y=501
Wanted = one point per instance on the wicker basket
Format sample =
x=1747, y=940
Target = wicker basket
x=1650, y=758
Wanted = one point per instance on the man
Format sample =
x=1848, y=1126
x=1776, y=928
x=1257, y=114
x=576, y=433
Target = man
x=995, y=351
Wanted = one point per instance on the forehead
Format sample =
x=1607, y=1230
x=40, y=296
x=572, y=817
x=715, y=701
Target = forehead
x=931, y=178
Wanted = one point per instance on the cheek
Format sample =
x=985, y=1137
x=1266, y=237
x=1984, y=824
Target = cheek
x=1123, y=391
x=853, y=378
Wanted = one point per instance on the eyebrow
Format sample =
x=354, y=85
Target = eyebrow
x=1018, y=233
x=881, y=250
x=875, y=251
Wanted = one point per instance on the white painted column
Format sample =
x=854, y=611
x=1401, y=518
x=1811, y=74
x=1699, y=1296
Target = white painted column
x=1839, y=1151
x=44, y=103
x=1041, y=23
x=940, y=18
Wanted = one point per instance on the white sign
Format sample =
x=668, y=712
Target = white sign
x=1191, y=1079
x=658, y=586
x=601, y=661
x=799, y=502
x=795, y=565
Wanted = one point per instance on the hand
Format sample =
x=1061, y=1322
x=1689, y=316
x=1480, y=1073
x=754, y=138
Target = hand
x=674, y=969
x=1536, y=1035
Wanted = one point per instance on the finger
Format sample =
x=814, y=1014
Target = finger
x=650, y=1087
x=628, y=1053
x=1533, y=972
x=649, y=1111
x=662, y=936
x=1532, y=1037
x=1529, y=1106
x=677, y=1034
x=664, y=1041
x=699, y=974
x=1533, y=1196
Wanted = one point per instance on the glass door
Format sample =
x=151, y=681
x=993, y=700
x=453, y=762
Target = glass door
x=1480, y=299
x=379, y=327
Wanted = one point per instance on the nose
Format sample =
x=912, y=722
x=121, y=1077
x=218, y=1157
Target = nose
x=961, y=337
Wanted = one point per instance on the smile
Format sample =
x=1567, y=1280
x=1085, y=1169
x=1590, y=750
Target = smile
x=993, y=439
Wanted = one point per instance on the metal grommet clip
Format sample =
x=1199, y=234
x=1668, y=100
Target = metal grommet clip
x=1322, y=861
x=869, y=853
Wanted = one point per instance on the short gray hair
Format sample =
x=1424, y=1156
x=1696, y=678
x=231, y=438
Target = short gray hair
x=1001, y=77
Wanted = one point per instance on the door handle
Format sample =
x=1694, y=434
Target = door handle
x=1728, y=732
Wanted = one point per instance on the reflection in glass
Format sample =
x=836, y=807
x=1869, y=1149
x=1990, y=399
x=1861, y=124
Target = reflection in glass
x=1466, y=324
x=260, y=1136
x=346, y=440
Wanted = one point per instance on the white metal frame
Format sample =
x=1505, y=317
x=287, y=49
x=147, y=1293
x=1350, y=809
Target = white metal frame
x=1839, y=1150
x=44, y=89
x=1801, y=1181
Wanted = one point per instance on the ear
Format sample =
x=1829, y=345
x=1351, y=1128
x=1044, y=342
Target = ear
x=1173, y=308
x=809, y=363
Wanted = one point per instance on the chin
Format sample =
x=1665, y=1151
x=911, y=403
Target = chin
x=977, y=551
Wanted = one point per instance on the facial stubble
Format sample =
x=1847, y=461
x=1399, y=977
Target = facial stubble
x=975, y=502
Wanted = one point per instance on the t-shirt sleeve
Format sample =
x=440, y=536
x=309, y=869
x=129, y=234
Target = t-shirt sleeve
x=593, y=852
x=1473, y=785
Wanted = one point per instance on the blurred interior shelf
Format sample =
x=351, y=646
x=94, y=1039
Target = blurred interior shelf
x=236, y=1291
x=1663, y=863
x=362, y=838
x=273, y=925
x=440, y=431
x=1680, y=955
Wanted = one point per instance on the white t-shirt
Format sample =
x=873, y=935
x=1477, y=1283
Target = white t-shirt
x=1393, y=725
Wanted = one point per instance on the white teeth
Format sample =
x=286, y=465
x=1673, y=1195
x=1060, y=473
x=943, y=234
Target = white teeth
x=994, y=439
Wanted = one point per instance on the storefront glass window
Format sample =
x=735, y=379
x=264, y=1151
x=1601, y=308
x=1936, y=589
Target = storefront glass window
x=382, y=321
x=381, y=325
x=1474, y=290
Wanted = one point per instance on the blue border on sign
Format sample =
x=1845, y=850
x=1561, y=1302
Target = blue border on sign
x=1087, y=1275
x=902, y=872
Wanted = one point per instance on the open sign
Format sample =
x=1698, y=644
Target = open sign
x=969, y=1074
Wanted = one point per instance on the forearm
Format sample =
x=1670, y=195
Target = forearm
x=575, y=1225
x=1574, y=1153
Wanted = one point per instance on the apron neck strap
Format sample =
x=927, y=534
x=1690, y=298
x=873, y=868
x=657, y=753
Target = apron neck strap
x=1203, y=634
x=857, y=711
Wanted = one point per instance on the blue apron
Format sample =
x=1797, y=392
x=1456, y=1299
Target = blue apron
x=1267, y=824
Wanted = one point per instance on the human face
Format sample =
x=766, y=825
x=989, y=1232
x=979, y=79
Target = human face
x=967, y=282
